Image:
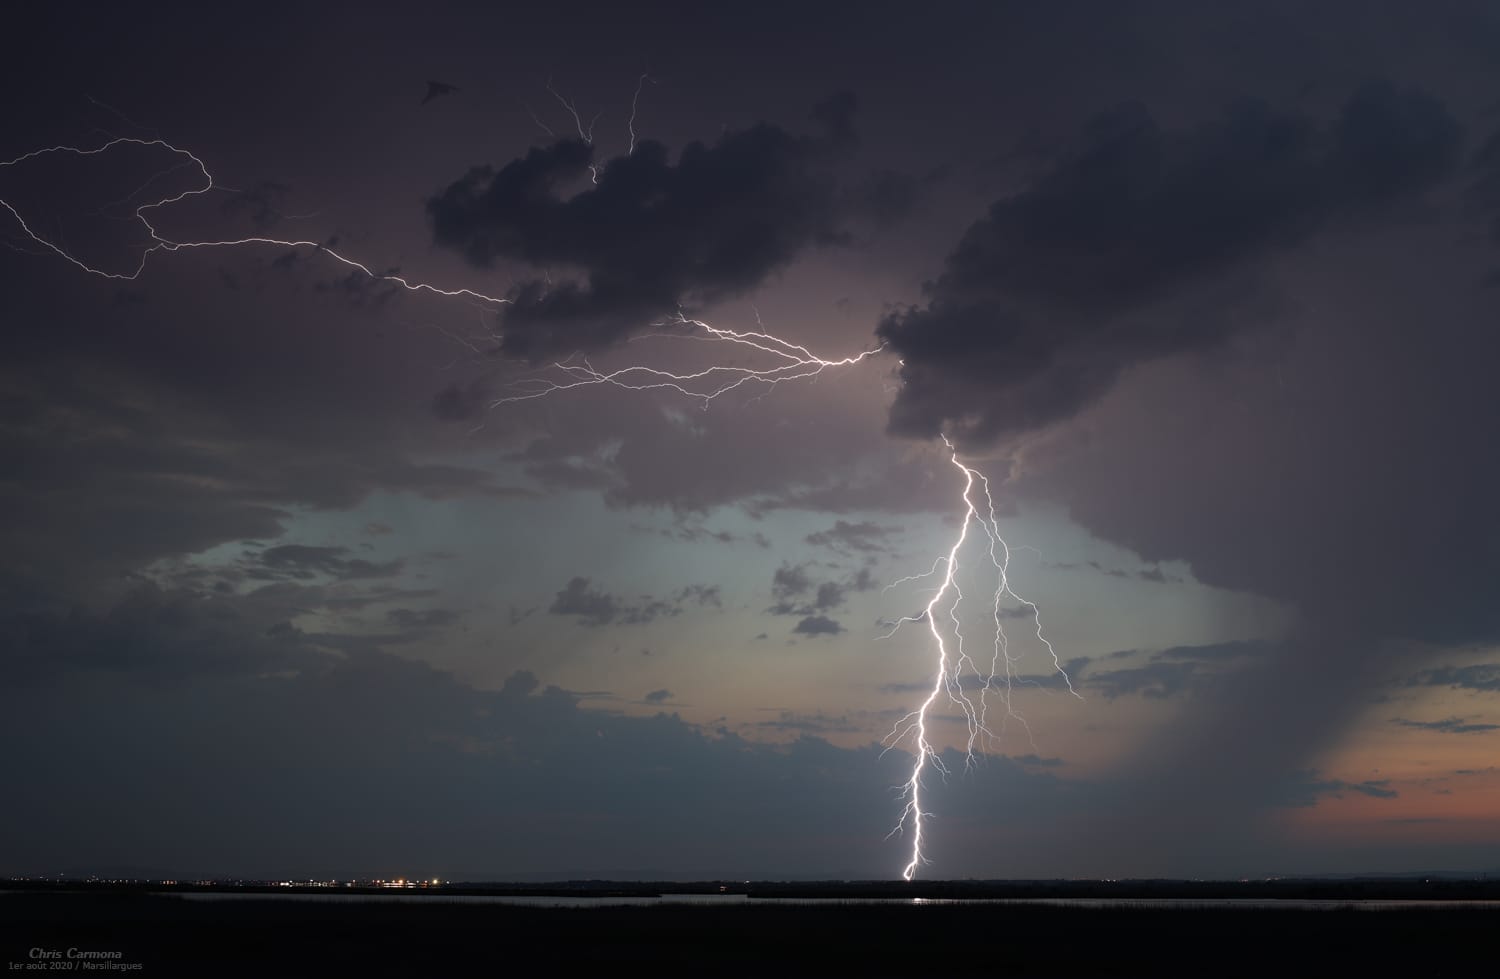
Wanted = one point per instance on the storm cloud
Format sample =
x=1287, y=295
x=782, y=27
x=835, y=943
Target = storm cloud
x=648, y=234
x=1056, y=290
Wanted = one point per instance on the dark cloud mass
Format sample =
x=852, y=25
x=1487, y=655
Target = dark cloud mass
x=649, y=234
x=1055, y=291
x=153, y=635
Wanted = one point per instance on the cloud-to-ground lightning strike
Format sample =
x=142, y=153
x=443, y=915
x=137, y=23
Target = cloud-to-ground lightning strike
x=788, y=362
x=949, y=677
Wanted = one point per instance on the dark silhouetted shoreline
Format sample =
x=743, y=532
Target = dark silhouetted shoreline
x=171, y=934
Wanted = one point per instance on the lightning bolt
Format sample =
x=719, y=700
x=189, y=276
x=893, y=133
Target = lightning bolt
x=788, y=361
x=635, y=102
x=949, y=678
x=584, y=133
x=205, y=185
x=791, y=362
x=587, y=134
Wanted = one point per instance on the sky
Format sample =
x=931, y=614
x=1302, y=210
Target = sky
x=309, y=573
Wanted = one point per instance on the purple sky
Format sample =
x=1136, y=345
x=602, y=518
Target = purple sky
x=1209, y=294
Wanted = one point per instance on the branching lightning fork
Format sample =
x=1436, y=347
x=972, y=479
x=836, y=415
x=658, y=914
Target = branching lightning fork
x=791, y=362
x=953, y=667
x=788, y=362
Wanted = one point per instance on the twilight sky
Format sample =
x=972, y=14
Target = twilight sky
x=1208, y=291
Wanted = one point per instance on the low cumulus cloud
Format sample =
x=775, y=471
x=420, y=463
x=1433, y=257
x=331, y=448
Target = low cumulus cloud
x=595, y=608
x=817, y=625
x=1172, y=672
x=422, y=620
x=1476, y=676
x=304, y=562
x=1309, y=786
x=848, y=537
x=1449, y=725
x=797, y=593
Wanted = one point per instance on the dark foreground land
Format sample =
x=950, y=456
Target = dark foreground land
x=155, y=934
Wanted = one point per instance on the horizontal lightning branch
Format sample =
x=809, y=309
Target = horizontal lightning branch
x=790, y=362
x=204, y=185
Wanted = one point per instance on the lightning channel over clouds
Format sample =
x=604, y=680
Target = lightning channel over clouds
x=207, y=185
x=791, y=362
x=787, y=361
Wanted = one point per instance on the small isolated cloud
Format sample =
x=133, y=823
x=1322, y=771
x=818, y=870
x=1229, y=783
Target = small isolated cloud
x=690, y=533
x=1155, y=680
x=796, y=593
x=700, y=595
x=818, y=625
x=596, y=608
x=1305, y=790
x=846, y=537
x=1054, y=680
x=422, y=619
x=591, y=606
x=1153, y=574
x=789, y=581
x=1216, y=651
x=1174, y=671
x=1451, y=725
x=658, y=696
x=1479, y=676
x=808, y=723
x=303, y=562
